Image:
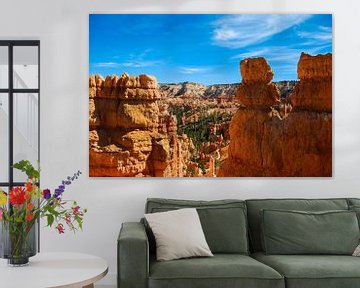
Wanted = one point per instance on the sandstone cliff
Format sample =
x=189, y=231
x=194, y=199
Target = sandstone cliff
x=268, y=137
x=130, y=133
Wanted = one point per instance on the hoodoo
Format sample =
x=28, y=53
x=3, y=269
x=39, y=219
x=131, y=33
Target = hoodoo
x=130, y=133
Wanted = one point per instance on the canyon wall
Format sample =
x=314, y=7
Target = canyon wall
x=197, y=90
x=131, y=134
x=289, y=136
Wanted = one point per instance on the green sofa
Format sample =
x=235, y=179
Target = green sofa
x=235, y=234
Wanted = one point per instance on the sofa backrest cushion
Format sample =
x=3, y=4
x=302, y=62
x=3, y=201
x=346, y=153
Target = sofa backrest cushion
x=354, y=205
x=298, y=232
x=256, y=205
x=353, y=202
x=356, y=209
x=223, y=221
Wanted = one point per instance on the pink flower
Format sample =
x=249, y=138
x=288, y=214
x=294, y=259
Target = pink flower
x=60, y=228
x=76, y=210
x=1, y=213
x=68, y=219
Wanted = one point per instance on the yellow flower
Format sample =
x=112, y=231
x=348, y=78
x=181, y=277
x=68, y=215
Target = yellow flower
x=3, y=198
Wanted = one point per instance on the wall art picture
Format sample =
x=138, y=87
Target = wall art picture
x=210, y=95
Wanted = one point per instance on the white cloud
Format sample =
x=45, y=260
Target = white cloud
x=321, y=34
x=249, y=54
x=193, y=70
x=140, y=60
x=278, y=53
x=133, y=60
x=141, y=63
x=271, y=53
x=238, y=31
x=107, y=64
x=325, y=28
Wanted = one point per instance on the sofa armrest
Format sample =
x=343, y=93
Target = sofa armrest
x=133, y=256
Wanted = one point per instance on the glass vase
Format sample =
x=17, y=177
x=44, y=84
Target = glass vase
x=18, y=242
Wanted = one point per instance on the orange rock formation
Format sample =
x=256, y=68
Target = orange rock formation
x=267, y=140
x=314, y=90
x=130, y=135
x=256, y=88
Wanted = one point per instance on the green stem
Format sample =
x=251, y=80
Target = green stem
x=18, y=237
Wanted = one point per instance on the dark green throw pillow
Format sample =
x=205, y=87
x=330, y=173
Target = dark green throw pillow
x=299, y=232
x=225, y=229
x=356, y=209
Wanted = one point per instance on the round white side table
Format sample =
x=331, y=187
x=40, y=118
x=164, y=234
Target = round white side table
x=50, y=270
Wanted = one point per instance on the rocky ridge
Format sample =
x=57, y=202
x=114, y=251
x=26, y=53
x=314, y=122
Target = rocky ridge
x=201, y=91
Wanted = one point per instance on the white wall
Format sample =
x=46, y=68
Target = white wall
x=62, y=27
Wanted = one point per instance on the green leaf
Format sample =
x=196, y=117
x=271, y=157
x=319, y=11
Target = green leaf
x=26, y=167
x=53, y=211
x=50, y=219
x=79, y=221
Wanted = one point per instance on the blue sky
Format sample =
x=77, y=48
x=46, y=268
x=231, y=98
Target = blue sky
x=203, y=48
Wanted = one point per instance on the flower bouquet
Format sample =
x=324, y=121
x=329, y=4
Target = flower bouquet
x=21, y=208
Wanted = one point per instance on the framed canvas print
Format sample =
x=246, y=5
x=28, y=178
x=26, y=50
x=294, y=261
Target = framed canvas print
x=210, y=95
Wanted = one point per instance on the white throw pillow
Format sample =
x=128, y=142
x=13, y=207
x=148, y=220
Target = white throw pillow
x=357, y=251
x=178, y=234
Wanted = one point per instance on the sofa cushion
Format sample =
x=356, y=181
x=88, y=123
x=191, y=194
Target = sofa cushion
x=222, y=270
x=353, y=201
x=297, y=232
x=356, y=209
x=254, y=207
x=178, y=234
x=223, y=221
x=354, y=205
x=313, y=271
